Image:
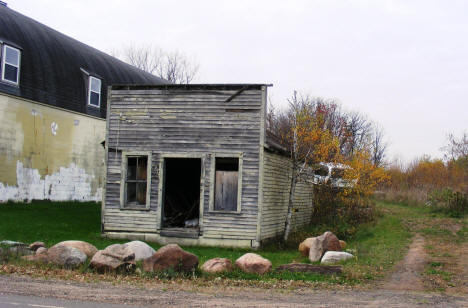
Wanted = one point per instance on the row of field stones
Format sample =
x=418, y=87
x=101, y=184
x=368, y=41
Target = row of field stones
x=122, y=257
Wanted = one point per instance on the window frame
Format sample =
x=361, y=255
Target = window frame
x=90, y=90
x=4, y=62
x=211, y=206
x=123, y=181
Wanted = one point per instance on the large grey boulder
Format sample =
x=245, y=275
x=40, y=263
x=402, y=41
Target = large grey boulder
x=115, y=258
x=171, y=257
x=88, y=249
x=140, y=249
x=317, y=246
x=316, y=249
x=331, y=257
x=41, y=250
x=253, y=263
x=65, y=256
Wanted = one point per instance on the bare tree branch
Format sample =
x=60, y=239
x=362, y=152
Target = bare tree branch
x=175, y=66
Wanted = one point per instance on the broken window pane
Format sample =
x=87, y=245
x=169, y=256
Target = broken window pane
x=226, y=184
x=141, y=171
x=131, y=192
x=131, y=168
x=141, y=193
x=136, y=180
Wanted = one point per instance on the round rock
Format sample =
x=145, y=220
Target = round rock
x=88, y=249
x=217, y=265
x=253, y=263
x=140, y=249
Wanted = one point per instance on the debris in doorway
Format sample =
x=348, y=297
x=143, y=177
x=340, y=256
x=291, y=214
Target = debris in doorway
x=191, y=223
x=181, y=205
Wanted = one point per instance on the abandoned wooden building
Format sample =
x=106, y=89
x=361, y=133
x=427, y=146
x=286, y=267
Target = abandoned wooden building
x=192, y=164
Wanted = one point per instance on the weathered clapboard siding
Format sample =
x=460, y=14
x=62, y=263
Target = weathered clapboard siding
x=136, y=221
x=276, y=186
x=194, y=120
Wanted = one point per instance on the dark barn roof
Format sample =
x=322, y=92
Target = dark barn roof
x=54, y=66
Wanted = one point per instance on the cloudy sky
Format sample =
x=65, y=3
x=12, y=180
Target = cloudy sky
x=402, y=63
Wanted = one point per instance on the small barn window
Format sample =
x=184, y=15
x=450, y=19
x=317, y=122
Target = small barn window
x=11, y=58
x=135, y=181
x=227, y=184
x=94, y=92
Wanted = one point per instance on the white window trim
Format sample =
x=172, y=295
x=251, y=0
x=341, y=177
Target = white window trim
x=213, y=180
x=4, y=62
x=89, y=92
x=123, y=192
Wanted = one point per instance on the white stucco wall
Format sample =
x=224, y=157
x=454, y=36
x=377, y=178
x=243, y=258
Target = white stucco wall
x=49, y=153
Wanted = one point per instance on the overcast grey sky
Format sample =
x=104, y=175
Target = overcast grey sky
x=402, y=63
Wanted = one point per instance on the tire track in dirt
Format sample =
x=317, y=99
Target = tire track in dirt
x=463, y=266
x=407, y=273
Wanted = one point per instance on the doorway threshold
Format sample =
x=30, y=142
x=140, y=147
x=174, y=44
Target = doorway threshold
x=180, y=232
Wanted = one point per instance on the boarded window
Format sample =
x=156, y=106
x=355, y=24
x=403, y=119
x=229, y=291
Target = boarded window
x=136, y=180
x=226, y=184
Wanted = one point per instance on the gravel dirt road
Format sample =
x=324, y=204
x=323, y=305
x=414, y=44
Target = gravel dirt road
x=159, y=296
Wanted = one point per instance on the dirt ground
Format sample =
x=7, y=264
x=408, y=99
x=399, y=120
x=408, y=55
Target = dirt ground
x=402, y=288
x=408, y=285
x=463, y=262
x=158, y=296
x=407, y=273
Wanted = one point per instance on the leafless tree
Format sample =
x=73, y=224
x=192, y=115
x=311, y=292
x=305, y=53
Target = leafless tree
x=174, y=66
x=358, y=130
x=378, y=146
x=456, y=147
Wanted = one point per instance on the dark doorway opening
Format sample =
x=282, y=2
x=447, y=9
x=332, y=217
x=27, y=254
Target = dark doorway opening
x=181, y=209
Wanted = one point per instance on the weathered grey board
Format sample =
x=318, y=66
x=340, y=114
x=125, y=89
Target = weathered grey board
x=183, y=121
x=226, y=190
x=309, y=268
x=276, y=185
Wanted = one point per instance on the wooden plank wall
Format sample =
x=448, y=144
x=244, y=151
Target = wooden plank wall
x=185, y=121
x=276, y=186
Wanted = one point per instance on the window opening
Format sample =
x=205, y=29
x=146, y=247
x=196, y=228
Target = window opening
x=94, y=93
x=321, y=170
x=10, y=64
x=226, y=184
x=136, y=181
x=181, y=200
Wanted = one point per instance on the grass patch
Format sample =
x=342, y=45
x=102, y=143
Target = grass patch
x=53, y=222
x=377, y=245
